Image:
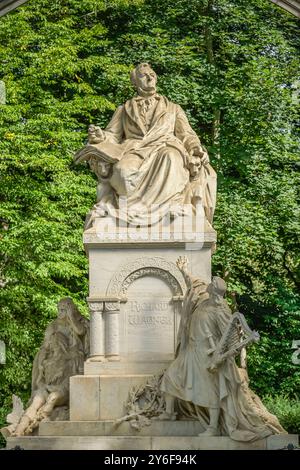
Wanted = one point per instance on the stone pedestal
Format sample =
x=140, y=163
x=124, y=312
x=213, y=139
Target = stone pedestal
x=135, y=299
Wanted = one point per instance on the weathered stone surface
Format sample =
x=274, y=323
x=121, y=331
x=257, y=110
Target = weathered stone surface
x=281, y=441
x=80, y=443
x=95, y=398
x=124, y=368
x=137, y=443
x=84, y=398
x=204, y=443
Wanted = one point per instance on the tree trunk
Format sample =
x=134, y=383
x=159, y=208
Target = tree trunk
x=215, y=130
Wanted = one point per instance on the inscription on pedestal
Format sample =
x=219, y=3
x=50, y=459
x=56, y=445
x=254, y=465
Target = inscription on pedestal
x=150, y=320
x=149, y=313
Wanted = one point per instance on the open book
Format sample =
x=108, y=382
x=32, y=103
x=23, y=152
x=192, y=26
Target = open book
x=105, y=151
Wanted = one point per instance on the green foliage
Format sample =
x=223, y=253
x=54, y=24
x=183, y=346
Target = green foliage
x=232, y=67
x=287, y=411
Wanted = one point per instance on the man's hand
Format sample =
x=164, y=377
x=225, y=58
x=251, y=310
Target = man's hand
x=216, y=362
x=212, y=368
x=95, y=134
x=182, y=263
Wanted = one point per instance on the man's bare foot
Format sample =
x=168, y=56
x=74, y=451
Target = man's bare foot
x=22, y=427
x=19, y=431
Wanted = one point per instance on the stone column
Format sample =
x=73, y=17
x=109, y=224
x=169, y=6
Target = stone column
x=112, y=337
x=177, y=303
x=97, y=330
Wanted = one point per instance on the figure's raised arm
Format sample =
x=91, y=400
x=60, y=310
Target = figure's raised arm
x=182, y=265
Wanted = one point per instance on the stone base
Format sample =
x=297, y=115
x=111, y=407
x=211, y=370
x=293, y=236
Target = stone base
x=94, y=397
x=110, y=428
x=148, y=443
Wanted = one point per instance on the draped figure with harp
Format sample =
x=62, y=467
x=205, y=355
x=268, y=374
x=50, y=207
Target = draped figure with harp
x=204, y=377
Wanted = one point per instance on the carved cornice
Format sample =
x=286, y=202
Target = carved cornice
x=103, y=304
x=95, y=306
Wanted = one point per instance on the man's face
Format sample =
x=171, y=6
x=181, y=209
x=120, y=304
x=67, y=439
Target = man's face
x=62, y=312
x=146, y=79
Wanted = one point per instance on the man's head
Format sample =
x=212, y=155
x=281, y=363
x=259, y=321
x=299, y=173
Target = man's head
x=217, y=287
x=65, y=306
x=144, y=79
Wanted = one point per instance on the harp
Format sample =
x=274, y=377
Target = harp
x=237, y=336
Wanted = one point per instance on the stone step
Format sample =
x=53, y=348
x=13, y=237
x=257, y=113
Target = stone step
x=147, y=443
x=109, y=428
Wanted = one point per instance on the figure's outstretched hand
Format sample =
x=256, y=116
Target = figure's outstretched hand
x=95, y=134
x=182, y=263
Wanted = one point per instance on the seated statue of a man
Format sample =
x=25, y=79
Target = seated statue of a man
x=150, y=156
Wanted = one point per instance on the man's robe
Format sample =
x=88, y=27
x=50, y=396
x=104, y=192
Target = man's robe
x=152, y=171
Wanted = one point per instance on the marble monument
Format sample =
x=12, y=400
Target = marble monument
x=160, y=371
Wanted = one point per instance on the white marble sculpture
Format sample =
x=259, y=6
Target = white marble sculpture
x=209, y=381
x=150, y=157
x=61, y=355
